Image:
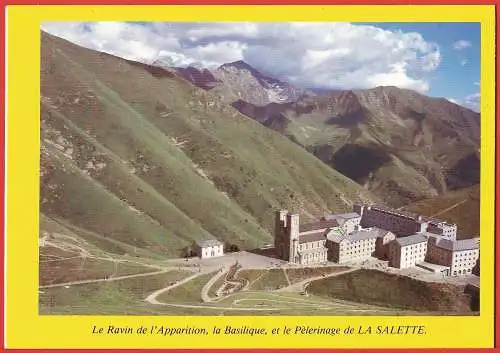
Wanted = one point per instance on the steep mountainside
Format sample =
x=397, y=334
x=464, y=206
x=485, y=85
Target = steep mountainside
x=135, y=157
x=202, y=78
x=459, y=206
x=399, y=144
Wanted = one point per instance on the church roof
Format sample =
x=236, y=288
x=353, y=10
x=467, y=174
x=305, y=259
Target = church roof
x=307, y=238
x=318, y=225
x=354, y=236
x=346, y=216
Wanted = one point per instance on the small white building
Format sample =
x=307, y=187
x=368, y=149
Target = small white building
x=209, y=248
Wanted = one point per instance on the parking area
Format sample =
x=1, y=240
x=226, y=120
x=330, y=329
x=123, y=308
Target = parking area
x=247, y=260
x=243, y=258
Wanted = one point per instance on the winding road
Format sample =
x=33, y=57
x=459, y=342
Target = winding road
x=87, y=281
x=300, y=286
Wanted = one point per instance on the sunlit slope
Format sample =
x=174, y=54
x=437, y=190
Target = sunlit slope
x=138, y=155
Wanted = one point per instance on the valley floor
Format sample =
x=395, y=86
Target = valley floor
x=76, y=280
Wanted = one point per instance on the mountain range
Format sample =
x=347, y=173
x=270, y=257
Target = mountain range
x=145, y=159
x=397, y=143
x=238, y=81
x=137, y=160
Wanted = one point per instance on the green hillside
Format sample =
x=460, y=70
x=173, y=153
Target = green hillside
x=132, y=155
x=461, y=207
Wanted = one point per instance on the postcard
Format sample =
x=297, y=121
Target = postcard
x=263, y=177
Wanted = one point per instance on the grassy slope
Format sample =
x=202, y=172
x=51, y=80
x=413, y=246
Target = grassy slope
x=419, y=153
x=146, y=160
x=465, y=214
x=119, y=297
x=380, y=288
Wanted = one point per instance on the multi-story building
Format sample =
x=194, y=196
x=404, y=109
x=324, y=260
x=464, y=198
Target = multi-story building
x=442, y=228
x=403, y=223
x=407, y=251
x=348, y=221
x=460, y=256
x=383, y=242
x=357, y=245
x=403, y=238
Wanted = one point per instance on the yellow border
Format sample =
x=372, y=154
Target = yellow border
x=25, y=329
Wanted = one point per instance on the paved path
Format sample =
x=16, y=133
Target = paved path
x=206, y=288
x=286, y=276
x=152, y=297
x=72, y=283
x=300, y=286
x=449, y=208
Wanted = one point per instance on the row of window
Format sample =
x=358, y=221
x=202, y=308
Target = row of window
x=351, y=253
x=467, y=254
x=312, y=245
x=460, y=272
x=314, y=256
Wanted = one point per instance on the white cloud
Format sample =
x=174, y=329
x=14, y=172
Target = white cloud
x=463, y=62
x=461, y=44
x=472, y=101
x=320, y=55
x=397, y=77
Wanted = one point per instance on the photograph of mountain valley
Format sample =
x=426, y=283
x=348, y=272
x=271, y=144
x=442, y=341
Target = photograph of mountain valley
x=241, y=168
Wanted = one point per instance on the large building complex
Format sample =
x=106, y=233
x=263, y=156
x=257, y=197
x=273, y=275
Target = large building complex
x=301, y=244
x=403, y=239
x=403, y=223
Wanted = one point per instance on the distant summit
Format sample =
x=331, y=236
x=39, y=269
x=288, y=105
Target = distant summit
x=238, y=81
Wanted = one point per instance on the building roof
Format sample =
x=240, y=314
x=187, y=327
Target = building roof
x=337, y=237
x=381, y=232
x=400, y=213
x=318, y=225
x=431, y=228
x=410, y=240
x=458, y=245
x=208, y=242
x=306, y=238
x=433, y=235
x=437, y=222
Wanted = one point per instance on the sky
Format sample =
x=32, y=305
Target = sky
x=436, y=59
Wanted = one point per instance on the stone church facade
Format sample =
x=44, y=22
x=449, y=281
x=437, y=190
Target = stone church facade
x=298, y=244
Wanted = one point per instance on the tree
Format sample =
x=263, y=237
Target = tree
x=228, y=247
x=187, y=251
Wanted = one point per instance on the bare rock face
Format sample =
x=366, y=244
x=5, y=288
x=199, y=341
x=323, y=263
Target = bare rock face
x=202, y=78
x=239, y=81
